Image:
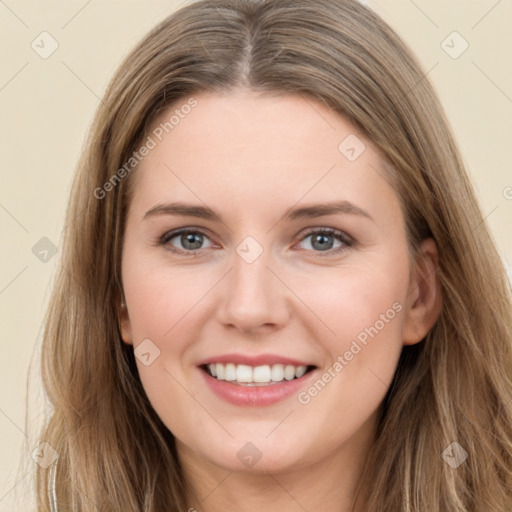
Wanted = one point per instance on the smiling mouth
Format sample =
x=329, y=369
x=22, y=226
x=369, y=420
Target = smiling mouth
x=263, y=375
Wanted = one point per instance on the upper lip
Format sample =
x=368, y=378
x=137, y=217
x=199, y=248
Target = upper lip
x=254, y=360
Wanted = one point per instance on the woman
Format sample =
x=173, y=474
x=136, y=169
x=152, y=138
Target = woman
x=206, y=346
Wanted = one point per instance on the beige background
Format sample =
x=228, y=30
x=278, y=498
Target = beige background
x=46, y=106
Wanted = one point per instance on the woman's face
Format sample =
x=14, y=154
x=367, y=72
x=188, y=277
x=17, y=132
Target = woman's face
x=264, y=239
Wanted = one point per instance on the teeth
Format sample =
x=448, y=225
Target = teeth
x=265, y=374
x=289, y=372
x=261, y=374
x=243, y=373
x=277, y=372
x=230, y=373
x=300, y=371
x=220, y=370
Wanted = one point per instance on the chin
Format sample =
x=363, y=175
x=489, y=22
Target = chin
x=257, y=456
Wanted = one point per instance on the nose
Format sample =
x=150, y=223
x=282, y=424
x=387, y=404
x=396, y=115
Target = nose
x=254, y=298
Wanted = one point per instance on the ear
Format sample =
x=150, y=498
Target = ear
x=124, y=323
x=424, y=297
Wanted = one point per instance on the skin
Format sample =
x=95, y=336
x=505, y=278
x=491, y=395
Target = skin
x=250, y=158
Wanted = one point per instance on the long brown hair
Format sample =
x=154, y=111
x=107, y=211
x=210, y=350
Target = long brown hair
x=453, y=387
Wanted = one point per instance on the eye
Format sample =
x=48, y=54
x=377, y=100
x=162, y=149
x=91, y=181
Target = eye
x=323, y=240
x=189, y=240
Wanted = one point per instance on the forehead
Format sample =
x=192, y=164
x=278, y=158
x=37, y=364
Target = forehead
x=246, y=149
x=244, y=123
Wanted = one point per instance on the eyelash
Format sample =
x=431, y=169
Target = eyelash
x=340, y=235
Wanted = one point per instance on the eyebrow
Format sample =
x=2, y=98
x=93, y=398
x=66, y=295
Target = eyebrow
x=304, y=212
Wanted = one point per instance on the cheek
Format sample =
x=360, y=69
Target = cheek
x=159, y=297
x=362, y=312
x=367, y=305
x=162, y=303
x=353, y=298
x=165, y=305
x=365, y=309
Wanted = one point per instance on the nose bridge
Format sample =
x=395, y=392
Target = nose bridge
x=254, y=296
x=250, y=273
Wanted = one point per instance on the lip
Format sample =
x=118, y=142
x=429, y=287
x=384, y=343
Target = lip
x=259, y=360
x=256, y=396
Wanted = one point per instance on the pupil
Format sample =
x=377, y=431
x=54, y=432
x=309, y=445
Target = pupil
x=324, y=242
x=188, y=241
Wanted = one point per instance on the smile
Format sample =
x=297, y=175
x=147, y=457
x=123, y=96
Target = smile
x=263, y=375
x=255, y=380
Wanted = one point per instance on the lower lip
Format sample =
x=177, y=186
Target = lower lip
x=255, y=395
